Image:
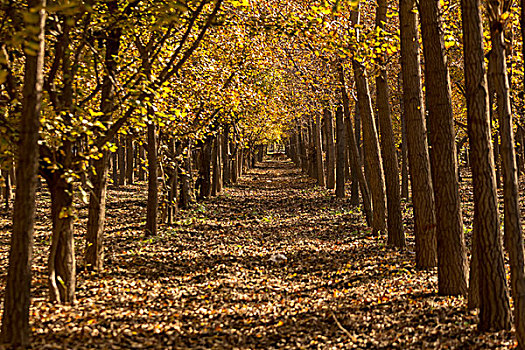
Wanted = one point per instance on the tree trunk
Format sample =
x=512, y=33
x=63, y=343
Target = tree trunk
x=318, y=151
x=452, y=264
x=330, y=152
x=356, y=162
x=404, y=151
x=396, y=234
x=93, y=256
x=129, y=159
x=226, y=173
x=354, y=187
x=186, y=176
x=153, y=191
x=340, y=153
x=512, y=216
x=492, y=285
x=62, y=264
x=122, y=160
x=421, y=182
x=216, y=166
x=142, y=162
x=114, y=168
x=15, y=330
x=205, y=168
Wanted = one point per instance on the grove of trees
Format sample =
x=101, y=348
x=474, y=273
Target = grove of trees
x=391, y=103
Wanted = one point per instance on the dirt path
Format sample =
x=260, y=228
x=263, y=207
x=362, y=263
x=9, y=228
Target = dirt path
x=274, y=262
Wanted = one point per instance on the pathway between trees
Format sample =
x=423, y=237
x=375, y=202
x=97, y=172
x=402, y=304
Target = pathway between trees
x=274, y=262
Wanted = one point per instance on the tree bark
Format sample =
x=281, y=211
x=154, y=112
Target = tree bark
x=330, y=152
x=512, y=216
x=396, y=234
x=452, y=263
x=356, y=162
x=153, y=192
x=186, y=176
x=419, y=163
x=62, y=264
x=318, y=151
x=492, y=285
x=129, y=159
x=15, y=330
x=93, y=256
x=340, y=154
x=122, y=160
x=226, y=156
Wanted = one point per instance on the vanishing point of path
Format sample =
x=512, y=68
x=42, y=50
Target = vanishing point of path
x=274, y=262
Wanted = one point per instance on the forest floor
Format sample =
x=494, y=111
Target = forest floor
x=273, y=262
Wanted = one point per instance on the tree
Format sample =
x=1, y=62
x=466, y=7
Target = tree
x=396, y=235
x=452, y=265
x=512, y=216
x=15, y=329
x=492, y=284
x=421, y=181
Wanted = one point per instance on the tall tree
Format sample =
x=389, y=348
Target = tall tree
x=396, y=234
x=452, y=261
x=371, y=142
x=512, y=216
x=421, y=181
x=492, y=285
x=15, y=329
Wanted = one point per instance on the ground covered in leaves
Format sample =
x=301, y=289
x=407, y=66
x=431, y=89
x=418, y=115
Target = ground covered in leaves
x=274, y=262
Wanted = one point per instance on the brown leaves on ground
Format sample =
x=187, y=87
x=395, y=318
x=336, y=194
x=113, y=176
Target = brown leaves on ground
x=274, y=262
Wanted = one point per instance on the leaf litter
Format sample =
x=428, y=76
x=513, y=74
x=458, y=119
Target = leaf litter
x=274, y=262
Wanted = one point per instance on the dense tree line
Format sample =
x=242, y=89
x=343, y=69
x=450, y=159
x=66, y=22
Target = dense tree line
x=186, y=95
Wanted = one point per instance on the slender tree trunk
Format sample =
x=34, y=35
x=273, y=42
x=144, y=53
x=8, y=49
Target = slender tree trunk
x=492, y=285
x=205, y=168
x=142, y=162
x=452, y=262
x=153, y=191
x=114, y=168
x=354, y=187
x=396, y=234
x=330, y=152
x=94, y=259
x=216, y=166
x=356, y=162
x=186, y=176
x=420, y=176
x=122, y=160
x=129, y=159
x=15, y=330
x=512, y=218
x=226, y=173
x=318, y=151
x=404, y=152
x=340, y=154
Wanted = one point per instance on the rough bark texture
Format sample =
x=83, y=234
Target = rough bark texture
x=330, y=148
x=492, y=285
x=396, y=234
x=153, y=192
x=512, y=216
x=418, y=157
x=452, y=262
x=404, y=153
x=15, y=329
